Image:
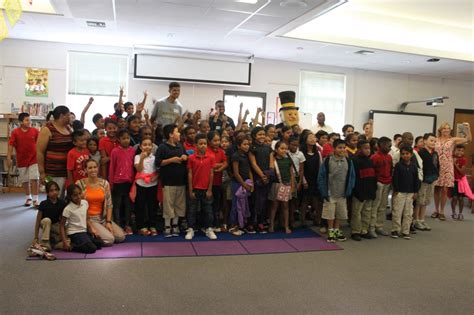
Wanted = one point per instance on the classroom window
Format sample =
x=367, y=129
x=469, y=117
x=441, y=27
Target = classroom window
x=97, y=75
x=250, y=100
x=323, y=92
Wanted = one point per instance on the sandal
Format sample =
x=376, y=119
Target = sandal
x=28, y=202
x=236, y=231
x=441, y=217
x=435, y=215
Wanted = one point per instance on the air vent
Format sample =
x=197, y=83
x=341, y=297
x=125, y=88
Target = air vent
x=365, y=52
x=433, y=60
x=95, y=24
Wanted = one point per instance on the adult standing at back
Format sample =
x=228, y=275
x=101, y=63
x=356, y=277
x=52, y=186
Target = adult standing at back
x=321, y=125
x=54, y=142
x=219, y=118
x=166, y=109
x=444, y=147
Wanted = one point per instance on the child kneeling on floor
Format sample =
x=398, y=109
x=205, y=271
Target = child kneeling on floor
x=406, y=185
x=336, y=180
x=48, y=217
x=74, y=223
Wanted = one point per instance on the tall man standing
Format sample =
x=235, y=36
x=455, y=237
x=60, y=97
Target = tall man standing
x=165, y=110
x=321, y=125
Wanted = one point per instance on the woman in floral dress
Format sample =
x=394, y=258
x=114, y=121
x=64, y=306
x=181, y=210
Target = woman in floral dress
x=445, y=144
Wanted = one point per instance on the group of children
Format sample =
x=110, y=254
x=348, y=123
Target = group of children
x=237, y=181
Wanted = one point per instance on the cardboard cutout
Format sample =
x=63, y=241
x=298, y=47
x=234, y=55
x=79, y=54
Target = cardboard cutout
x=289, y=114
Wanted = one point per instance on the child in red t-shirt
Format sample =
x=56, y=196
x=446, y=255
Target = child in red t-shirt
x=220, y=165
x=77, y=157
x=327, y=147
x=200, y=180
x=23, y=139
x=107, y=144
x=459, y=172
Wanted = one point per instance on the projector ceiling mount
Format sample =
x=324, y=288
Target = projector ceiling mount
x=433, y=101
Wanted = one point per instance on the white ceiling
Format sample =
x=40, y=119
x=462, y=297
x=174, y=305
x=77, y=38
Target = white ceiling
x=206, y=24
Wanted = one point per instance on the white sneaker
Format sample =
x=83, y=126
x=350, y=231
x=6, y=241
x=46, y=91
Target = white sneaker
x=426, y=226
x=210, y=234
x=189, y=234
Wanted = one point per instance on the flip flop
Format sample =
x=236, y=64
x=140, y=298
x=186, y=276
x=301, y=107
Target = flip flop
x=435, y=215
x=441, y=217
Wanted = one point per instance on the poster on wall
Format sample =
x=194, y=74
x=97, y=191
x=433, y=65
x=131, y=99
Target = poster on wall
x=36, y=82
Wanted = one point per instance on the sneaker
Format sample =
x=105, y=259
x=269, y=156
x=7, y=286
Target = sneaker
x=412, y=229
x=261, y=229
x=210, y=234
x=381, y=232
x=46, y=245
x=216, y=229
x=323, y=230
x=153, y=231
x=331, y=236
x=366, y=236
x=394, y=234
x=340, y=236
x=236, y=231
x=356, y=237
x=250, y=230
x=373, y=234
x=167, y=232
x=128, y=230
x=419, y=225
x=406, y=236
x=189, y=234
x=144, y=232
x=426, y=226
x=175, y=230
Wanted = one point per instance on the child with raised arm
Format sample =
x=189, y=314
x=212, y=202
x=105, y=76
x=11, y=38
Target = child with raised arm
x=171, y=160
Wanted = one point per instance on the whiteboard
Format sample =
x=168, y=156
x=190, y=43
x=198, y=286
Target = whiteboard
x=390, y=123
x=172, y=68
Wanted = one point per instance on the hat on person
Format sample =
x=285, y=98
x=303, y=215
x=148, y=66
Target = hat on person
x=287, y=100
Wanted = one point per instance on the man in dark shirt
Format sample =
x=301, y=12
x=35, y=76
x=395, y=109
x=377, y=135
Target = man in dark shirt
x=220, y=117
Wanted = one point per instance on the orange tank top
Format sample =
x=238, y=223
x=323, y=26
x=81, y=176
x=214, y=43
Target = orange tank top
x=95, y=197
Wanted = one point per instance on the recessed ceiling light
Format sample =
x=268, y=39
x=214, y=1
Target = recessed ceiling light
x=293, y=4
x=247, y=1
x=299, y=48
x=433, y=60
x=364, y=52
x=406, y=61
x=95, y=24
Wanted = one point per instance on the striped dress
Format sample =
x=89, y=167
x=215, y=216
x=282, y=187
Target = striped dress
x=55, y=163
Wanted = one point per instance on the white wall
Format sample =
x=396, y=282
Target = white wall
x=366, y=90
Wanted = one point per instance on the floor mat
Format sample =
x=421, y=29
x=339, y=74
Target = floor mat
x=135, y=246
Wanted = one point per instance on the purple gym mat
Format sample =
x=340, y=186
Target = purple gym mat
x=309, y=244
x=217, y=248
x=267, y=246
x=168, y=249
x=126, y=250
x=183, y=248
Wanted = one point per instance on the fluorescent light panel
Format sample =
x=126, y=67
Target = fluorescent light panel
x=356, y=25
x=37, y=6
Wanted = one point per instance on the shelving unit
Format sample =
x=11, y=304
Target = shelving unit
x=8, y=122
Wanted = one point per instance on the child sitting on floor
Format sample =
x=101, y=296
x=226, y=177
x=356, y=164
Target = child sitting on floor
x=48, y=217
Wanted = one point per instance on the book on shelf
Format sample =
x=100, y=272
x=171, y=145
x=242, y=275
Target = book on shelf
x=36, y=109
